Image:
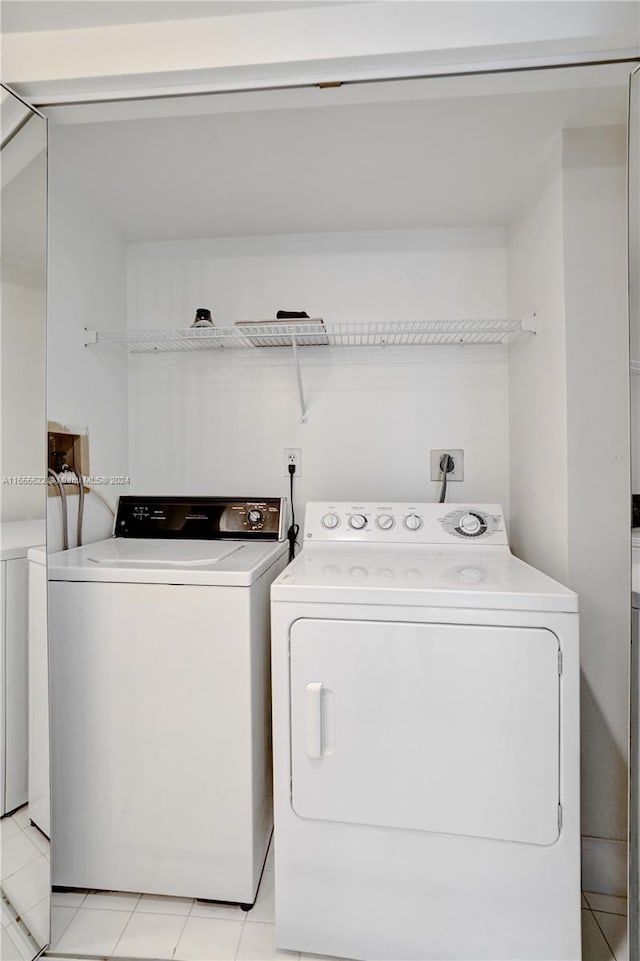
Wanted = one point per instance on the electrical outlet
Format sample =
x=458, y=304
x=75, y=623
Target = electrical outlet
x=457, y=474
x=293, y=455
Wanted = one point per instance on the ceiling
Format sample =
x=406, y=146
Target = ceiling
x=451, y=161
x=23, y=16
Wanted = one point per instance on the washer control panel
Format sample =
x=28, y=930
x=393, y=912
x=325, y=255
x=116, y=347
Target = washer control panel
x=405, y=523
x=201, y=518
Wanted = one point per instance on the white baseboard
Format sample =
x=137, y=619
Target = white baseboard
x=604, y=866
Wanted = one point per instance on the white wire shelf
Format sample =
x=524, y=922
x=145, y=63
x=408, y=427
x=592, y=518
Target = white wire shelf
x=252, y=335
x=314, y=333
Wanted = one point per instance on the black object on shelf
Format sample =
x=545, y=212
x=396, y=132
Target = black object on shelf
x=635, y=510
x=203, y=318
x=291, y=315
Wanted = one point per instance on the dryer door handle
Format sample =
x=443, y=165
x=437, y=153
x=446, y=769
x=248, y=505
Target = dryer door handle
x=313, y=717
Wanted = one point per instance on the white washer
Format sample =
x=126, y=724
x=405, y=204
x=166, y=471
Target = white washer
x=426, y=741
x=159, y=654
x=16, y=537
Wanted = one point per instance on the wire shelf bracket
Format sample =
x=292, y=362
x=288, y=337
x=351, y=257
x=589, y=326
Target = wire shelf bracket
x=296, y=358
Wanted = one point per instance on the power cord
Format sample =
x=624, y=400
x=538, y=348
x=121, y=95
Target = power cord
x=446, y=466
x=294, y=529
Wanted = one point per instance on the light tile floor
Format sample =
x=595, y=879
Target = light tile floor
x=169, y=928
x=130, y=925
x=604, y=928
x=219, y=933
x=25, y=878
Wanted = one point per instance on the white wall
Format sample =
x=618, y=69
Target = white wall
x=206, y=423
x=635, y=431
x=537, y=381
x=597, y=332
x=22, y=377
x=634, y=279
x=23, y=318
x=569, y=437
x=86, y=386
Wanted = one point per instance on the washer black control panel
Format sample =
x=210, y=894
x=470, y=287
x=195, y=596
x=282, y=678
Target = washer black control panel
x=201, y=518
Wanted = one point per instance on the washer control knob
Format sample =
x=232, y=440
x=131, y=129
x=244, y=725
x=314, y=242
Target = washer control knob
x=358, y=522
x=330, y=521
x=471, y=525
x=254, y=516
x=412, y=522
x=385, y=522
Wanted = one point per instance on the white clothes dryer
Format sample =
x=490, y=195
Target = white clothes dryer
x=160, y=701
x=426, y=741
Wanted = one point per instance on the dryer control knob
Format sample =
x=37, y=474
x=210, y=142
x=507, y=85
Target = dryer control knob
x=385, y=522
x=471, y=524
x=254, y=516
x=358, y=522
x=412, y=522
x=330, y=521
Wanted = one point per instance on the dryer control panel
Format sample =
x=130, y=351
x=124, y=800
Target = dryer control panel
x=405, y=523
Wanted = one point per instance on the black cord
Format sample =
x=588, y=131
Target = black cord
x=443, y=489
x=294, y=529
x=446, y=466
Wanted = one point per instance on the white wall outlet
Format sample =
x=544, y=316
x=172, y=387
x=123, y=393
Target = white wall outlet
x=293, y=455
x=457, y=474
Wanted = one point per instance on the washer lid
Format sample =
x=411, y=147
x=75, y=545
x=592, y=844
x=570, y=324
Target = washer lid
x=416, y=576
x=119, y=552
x=142, y=561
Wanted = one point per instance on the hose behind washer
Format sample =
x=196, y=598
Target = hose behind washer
x=63, y=506
x=78, y=475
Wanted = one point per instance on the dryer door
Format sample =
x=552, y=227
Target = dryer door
x=453, y=729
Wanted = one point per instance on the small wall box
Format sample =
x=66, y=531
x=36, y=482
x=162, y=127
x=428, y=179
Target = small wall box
x=67, y=446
